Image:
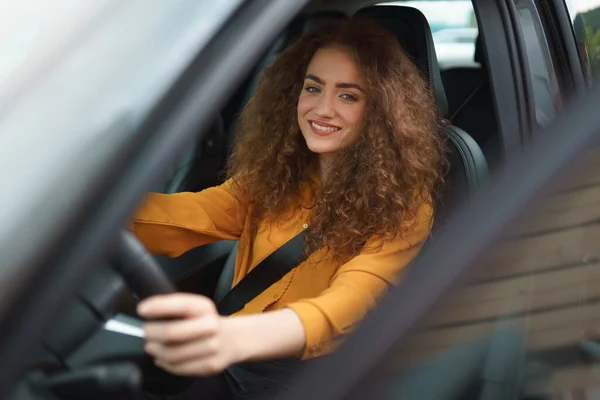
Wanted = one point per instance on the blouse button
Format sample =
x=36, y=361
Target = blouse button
x=305, y=226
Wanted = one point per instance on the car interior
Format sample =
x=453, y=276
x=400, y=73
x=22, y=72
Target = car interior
x=100, y=326
x=462, y=94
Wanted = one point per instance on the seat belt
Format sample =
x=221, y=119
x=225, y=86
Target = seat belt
x=464, y=103
x=265, y=274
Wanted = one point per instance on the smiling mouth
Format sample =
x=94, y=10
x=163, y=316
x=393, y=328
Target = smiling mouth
x=323, y=129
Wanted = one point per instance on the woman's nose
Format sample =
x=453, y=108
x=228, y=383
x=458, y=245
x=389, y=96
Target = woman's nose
x=325, y=107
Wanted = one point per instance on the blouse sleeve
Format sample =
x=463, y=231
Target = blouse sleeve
x=356, y=288
x=171, y=224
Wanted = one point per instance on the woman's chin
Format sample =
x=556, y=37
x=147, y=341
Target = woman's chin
x=321, y=149
x=318, y=147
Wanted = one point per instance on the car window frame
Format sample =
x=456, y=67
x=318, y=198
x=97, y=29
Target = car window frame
x=563, y=47
x=570, y=32
x=504, y=65
x=549, y=60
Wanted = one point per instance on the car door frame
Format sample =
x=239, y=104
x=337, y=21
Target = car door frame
x=563, y=47
x=513, y=102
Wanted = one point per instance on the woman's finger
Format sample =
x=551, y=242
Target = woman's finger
x=204, y=367
x=181, y=331
x=172, y=355
x=176, y=305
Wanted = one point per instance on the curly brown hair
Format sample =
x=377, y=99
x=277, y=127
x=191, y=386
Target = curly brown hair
x=376, y=185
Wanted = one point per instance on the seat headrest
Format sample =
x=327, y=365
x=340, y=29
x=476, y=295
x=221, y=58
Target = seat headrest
x=412, y=30
x=321, y=18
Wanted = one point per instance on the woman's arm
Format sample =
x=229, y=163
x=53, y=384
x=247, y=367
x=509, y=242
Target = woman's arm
x=201, y=342
x=268, y=335
x=171, y=224
x=356, y=288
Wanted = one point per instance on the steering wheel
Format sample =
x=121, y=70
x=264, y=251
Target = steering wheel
x=107, y=355
x=139, y=268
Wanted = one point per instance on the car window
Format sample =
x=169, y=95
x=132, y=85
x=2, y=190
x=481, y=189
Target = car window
x=453, y=27
x=585, y=16
x=547, y=97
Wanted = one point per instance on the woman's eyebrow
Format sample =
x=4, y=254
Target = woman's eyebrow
x=315, y=78
x=341, y=85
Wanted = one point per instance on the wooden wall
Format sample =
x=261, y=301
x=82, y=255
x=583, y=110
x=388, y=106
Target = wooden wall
x=544, y=277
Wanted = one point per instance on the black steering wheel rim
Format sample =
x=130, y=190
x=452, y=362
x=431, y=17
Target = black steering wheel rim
x=139, y=269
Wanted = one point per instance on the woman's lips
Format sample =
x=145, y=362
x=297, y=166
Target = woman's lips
x=322, y=128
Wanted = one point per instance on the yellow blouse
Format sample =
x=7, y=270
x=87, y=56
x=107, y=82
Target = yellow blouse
x=329, y=298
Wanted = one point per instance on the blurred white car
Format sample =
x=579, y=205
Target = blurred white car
x=455, y=47
x=451, y=25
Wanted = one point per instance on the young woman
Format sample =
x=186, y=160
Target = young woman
x=340, y=140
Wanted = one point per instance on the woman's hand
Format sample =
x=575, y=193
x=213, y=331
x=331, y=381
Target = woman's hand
x=198, y=341
x=195, y=341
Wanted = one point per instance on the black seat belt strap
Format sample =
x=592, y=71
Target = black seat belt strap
x=265, y=274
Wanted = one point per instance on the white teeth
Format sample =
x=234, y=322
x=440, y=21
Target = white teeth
x=325, y=128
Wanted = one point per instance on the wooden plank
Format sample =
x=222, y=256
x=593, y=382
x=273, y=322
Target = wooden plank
x=584, y=380
x=586, y=172
x=570, y=201
x=544, y=330
x=587, y=176
x=545, y=280
x=517, y=295
x=531, y=254
x=540, y=341
x=560, y=211
x=553, y=383
x=414, y=352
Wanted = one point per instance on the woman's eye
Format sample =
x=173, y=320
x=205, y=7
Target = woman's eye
x=348, y=96
x=311, y=89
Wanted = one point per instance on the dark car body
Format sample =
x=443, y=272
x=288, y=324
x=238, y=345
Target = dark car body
x=135, y=97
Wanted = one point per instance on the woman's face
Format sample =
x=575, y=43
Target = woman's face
x=332, y=102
